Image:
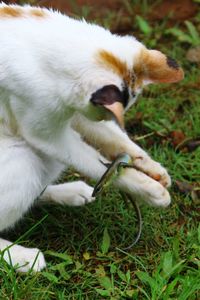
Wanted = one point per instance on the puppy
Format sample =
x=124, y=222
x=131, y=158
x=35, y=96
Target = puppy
x=64, y=87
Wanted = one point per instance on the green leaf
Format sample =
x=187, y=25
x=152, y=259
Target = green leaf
x=143, y=25
x=182, y=36
x=86, y=255
x=146, y=278
x=167, y=263
x=51, y=277
x=177, y=268
x=61, y=269
x=131, y=293
x=103, y=293
x=105, y=242
x=58, y=267
x=193, y=32
x=78, y=266
x=128, y=276
x=105, y=282
x=63, y=256
x=113, y=268
x=121, y=275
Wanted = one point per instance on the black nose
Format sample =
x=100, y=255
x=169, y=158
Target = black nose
x=172, y=63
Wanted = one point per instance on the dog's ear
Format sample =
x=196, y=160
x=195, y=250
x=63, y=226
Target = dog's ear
x=154, y=66
x=112, y=99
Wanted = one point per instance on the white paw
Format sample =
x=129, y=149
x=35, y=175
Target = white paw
x=153, y=169
x=82, y=195
x=25, y=259
x=74, y=193
x=156, y=194
x=144, y=188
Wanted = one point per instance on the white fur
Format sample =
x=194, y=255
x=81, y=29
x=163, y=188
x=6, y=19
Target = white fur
x=21, y=258
x=74, y=193
x=47, y=73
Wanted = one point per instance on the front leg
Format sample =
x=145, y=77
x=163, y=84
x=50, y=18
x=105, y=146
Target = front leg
x=83, y=157
x=70, y=150
x=111, y=141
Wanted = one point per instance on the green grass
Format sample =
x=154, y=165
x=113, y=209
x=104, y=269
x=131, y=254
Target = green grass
x=83, y=246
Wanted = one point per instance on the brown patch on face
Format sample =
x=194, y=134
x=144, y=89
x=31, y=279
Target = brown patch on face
x=155, y=66
x=110, y=61
x=8, y=11
x=113, y=62
x=140, y=69
x=37, y=12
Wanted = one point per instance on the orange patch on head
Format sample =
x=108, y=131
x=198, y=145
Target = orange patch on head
x=110, y=61
x=16, y=12
x=37, y=12
x=8, y=11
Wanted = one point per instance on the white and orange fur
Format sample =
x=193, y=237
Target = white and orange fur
x=50, y=65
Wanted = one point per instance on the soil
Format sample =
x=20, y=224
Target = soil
x=71, y=6
x=178, y=10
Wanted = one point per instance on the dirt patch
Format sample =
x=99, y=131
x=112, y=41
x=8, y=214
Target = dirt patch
x=98, y=6
x=178, y=10
x=105, y=12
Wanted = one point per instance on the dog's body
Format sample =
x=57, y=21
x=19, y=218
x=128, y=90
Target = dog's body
x=56, y=75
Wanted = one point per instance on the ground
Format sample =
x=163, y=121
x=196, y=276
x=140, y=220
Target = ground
x=84, y=246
